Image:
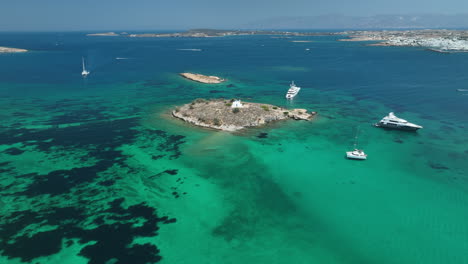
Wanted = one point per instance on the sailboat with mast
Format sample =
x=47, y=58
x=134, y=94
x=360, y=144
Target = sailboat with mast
x=357, y=154
x=84, y=73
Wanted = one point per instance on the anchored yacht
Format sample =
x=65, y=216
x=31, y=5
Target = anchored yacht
x=293, y=90
x=391, y=121
x=84, y=73
x=357, y=154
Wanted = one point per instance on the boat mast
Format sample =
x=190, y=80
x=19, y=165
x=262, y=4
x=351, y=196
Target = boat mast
x=356, y=138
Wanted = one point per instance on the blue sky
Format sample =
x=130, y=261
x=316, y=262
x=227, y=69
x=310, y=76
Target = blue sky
x=182, y=14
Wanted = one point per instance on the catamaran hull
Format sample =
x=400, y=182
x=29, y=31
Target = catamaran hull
x=397, y=127
x=355, y=157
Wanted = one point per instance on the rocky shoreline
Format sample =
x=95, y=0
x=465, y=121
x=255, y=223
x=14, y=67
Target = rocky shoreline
x=11, y=50
x=219, y=114
x=202, y=78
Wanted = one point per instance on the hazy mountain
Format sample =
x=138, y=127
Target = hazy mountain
x=370, y=22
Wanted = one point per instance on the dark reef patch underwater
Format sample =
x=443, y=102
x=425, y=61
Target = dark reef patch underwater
x=113, y=237
x=80, y=206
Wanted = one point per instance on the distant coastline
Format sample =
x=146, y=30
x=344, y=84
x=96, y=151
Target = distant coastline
x=11, y=50
x=209, y=33
x=442, y=40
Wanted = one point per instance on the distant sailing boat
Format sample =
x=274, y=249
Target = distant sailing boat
x=84, y=73
x=356, y=153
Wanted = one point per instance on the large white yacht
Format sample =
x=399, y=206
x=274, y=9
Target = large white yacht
x=391, y=121
x=293, y=90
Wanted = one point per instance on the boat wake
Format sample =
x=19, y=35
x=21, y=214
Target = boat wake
x=462, y=90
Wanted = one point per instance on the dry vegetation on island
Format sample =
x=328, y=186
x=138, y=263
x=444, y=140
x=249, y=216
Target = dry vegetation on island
x=219, y=114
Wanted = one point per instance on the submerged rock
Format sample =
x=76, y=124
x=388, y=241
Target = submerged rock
x=13, y=151
x=437, y=166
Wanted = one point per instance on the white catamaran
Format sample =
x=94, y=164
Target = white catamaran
x=84, y=73
x=357, y=154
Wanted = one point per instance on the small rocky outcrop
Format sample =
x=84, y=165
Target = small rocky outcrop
x=106, y=34
x=202, y=78
x=11, y=50
x=219, y=114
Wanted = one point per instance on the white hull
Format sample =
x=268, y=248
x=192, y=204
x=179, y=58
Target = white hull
x=356, y=154
x=293, y=91
x=292, y=95
x=398, y=126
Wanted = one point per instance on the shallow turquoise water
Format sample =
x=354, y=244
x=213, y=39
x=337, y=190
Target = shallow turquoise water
x=84, y=159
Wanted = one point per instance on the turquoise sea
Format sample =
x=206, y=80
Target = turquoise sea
x=96, y=170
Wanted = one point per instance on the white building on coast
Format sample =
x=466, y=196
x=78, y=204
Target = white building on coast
x=237, y=104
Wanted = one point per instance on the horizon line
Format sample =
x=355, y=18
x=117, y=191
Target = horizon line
x=223, y=28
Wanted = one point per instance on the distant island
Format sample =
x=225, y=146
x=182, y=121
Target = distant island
x=202, y=78
x=439, y=40
x=11, y=50
x=234, y=115
x=209, y=33
x=106, y=34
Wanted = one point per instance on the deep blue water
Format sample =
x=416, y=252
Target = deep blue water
x=407, y=79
